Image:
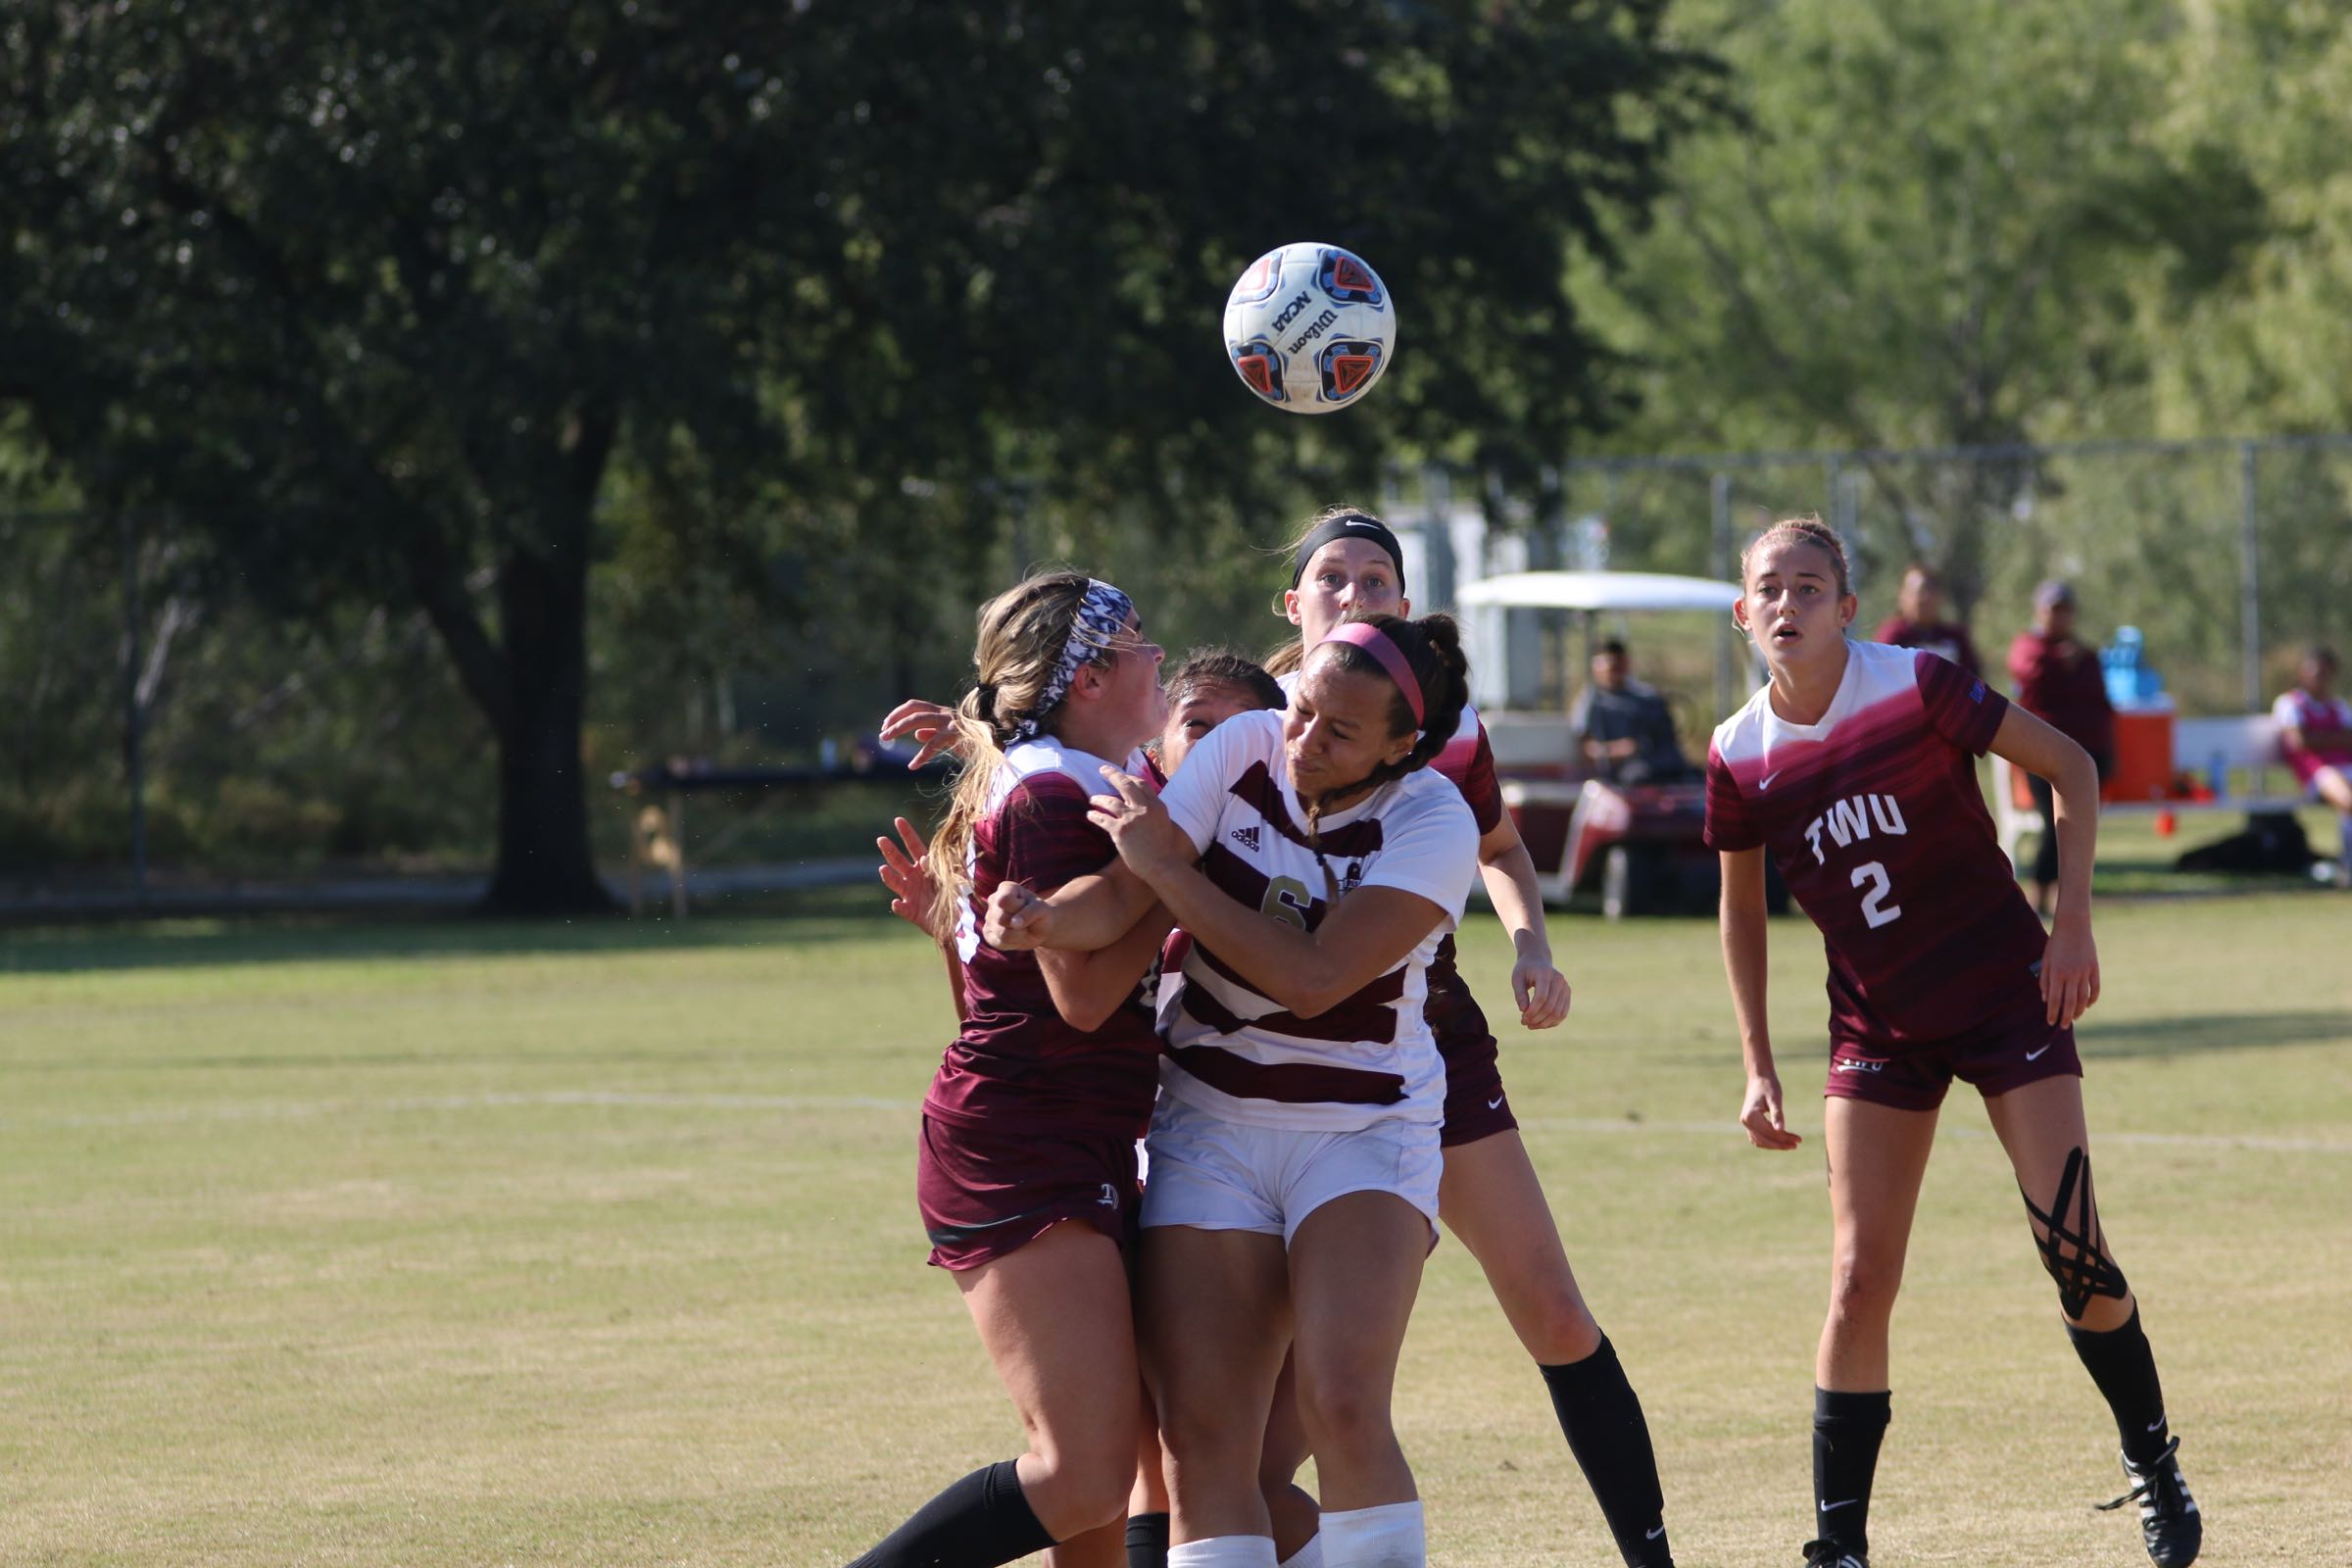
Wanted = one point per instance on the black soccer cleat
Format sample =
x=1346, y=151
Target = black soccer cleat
x=2167, y=1515
x=1830, y=1555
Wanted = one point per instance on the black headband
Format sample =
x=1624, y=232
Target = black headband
x=1349, y=525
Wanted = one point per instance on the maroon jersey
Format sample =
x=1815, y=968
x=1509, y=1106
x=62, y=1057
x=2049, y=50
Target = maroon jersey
x=1469, y=761
x=1947, y=637
x=1877, y=824
x=1017, y=1065
x=2061, y=682
x=2324, y=725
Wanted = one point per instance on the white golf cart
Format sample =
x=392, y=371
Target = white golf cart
x=1636, y=845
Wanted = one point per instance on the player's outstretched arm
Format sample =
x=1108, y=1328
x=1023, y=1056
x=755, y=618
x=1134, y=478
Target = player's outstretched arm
x=1509, y=873
x=2070, y=965
x=1742, y=920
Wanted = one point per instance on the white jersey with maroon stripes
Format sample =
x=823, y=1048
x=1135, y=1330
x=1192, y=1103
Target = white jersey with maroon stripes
x=1370, y=1058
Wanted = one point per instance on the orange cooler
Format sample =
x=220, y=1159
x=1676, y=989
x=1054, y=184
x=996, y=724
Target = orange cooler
x=2144, y=755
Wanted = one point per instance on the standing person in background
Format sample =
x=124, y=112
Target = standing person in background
x=2315, y=735
x=1623, y=727
x=2059, y=682
x=1918, y=620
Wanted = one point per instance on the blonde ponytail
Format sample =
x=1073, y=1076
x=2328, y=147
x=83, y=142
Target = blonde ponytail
x=1022, y=635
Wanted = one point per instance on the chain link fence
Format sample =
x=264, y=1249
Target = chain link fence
x=2229, y=557
x=254, y=741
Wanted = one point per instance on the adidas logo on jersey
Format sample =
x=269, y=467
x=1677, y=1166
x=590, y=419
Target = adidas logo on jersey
x=1246, y=838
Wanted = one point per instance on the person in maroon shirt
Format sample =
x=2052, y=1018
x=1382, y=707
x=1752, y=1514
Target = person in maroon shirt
x=1918, y=621
x=1855, y=769
x=1211, y=686
x=2315, y=736
x=2060, y=682
x=1026, y=1172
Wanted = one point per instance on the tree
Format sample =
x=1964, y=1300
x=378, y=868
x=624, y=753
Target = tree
x=383, y=293
x=1924, y=231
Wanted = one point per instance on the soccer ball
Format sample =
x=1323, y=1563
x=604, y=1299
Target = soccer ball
x=1310, y=327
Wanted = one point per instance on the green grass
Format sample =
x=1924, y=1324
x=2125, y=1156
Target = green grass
x=463, y=1244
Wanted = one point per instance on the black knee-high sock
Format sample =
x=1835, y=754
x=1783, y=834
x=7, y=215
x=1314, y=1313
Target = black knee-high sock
x=1846, y=1429
x=979, y=1522
x=1603, y=1419
x=2120, y=1364
x=1147, y=1541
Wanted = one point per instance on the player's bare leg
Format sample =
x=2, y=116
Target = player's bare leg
x=1295, y=1513
x=1492, y=1199
x=1056, y=1320
x=1057, y=1324
x=1147, y=1530
x=1355, y=1270
x=2041, y=1127
x=2335, y=787
x=1877, y=1156
x=1213, y=1310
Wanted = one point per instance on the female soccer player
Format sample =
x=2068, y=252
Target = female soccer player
x=1315, y=865
x=1347, y=562
x=1026, y=1177
x=1211, y=686
x=1854, y=767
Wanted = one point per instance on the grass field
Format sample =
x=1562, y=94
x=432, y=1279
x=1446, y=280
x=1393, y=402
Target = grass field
x=451, y=1243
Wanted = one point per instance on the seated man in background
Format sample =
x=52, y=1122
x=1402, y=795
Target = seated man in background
x=2315, y=735
x=1918, y=621
x=1623, y=728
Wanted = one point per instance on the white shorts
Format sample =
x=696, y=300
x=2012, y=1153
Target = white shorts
x=1220, y=1175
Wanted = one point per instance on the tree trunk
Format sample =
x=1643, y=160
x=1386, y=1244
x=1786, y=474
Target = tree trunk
x=544, y=863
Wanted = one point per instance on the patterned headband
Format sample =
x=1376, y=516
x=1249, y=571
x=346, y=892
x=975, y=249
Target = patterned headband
x=1102, y=616
x=1372, y=640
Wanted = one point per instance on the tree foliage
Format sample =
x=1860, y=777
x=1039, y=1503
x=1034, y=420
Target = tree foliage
x=1925, y=229
x=383, y=298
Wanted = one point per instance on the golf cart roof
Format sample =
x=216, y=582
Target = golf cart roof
x=1597, y=590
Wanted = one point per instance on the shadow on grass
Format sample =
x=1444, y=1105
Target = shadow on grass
x=2217, y=1031
x=815, y=915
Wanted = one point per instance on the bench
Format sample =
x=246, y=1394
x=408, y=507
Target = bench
x=2217, y=751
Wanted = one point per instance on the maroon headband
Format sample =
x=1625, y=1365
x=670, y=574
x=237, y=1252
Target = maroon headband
x=1372, y=640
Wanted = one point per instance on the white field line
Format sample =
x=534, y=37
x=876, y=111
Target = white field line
x=257, y=1110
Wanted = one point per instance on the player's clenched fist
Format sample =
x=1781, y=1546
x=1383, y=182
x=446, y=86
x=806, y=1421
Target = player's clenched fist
x=1014, y=920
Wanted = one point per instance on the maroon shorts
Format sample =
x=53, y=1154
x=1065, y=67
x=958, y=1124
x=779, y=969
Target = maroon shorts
x=2015, y=1047
x=984, y=1194
x=1476, y=1107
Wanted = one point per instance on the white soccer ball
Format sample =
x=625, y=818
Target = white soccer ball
x=1310, y=327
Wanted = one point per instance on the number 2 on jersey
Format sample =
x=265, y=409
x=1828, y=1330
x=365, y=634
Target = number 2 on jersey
x=1874, y=907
